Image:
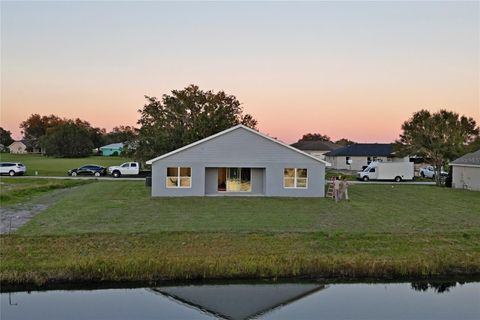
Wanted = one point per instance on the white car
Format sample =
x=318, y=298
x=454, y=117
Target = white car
x=125, y=169
x=12, y=168
x=429, y=172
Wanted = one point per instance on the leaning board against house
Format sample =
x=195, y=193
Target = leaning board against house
x=238, y=161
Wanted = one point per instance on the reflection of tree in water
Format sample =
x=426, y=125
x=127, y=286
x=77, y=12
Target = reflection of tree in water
x=438, y=287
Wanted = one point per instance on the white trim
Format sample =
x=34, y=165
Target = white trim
x=151, y=161
x=465, y=165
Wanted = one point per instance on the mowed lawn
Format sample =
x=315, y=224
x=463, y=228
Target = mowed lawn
x=48, y=166
x=126, y=207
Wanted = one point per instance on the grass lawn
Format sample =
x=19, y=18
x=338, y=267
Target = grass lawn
x=114, y=231
x=48, y=166
x=15, y=190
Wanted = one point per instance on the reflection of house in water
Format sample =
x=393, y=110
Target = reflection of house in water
x=238, y=301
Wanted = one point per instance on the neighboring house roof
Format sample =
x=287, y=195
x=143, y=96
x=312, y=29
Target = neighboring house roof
x=364, y=149
x=18, y=141
x=238, y=301
x=470, y=159
x=113, y=146
x=315, y=145
x=240, y=126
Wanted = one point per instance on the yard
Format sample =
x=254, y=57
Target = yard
x=48, y=166
x=114, y=231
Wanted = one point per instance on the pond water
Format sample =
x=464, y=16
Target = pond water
x=421, y=300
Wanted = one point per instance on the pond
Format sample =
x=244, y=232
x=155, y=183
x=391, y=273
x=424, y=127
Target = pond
x=302, y=300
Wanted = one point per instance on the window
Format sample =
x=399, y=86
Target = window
x=234, y=179
x=179, y=177
x=348, y=161
x=295, y=178
x=133, y=165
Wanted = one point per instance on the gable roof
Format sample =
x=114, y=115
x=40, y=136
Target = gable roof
x=470, y=159
x=364, y=149
x=18, y=141
x=315, y=145
x=240, y=126
x=113, y=146
x=238, y=301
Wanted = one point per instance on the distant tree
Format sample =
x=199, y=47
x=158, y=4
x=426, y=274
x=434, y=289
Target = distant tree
x=473, y=146
x=440, y=136
x=69, y=139
x=186, y=116
x=36, y=125
x=315, y=137
x=5, y=137
x=123, y=134
x=344, y=142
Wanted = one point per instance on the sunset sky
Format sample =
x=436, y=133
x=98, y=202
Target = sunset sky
x=345, y=69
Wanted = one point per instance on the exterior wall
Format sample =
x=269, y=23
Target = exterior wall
x=109, y=151
x=466, y=177
x=18, y=147
x=244, y=149
x=339, y=162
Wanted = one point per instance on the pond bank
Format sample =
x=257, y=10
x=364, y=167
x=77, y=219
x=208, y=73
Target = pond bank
x=181, y=256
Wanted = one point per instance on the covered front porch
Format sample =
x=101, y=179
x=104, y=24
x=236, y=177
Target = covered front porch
x=234, y=181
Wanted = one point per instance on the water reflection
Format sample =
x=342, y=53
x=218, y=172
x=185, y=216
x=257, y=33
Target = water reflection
x=458, y=300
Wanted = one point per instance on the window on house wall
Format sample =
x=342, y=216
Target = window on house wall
x=295, y=178
x=348, y=161
x=179, y=177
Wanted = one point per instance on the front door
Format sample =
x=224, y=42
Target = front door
x=234, y=180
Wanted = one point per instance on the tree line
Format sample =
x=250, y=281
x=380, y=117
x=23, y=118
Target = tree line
x=188, y=115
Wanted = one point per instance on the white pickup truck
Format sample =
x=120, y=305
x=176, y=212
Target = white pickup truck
x=125, y=169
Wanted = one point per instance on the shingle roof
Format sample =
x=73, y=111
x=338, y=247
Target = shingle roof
x=113, y=146
x=364, y=149
x=315, y=145
x=472, y=159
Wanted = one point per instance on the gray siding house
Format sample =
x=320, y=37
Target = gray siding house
x=238, y=161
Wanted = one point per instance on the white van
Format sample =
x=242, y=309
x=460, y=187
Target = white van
x=396, y=171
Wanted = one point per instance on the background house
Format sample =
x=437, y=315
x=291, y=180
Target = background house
x=18, y=147
x=316, y=148
x=114, y=149
x=356, y=156
x=238, y=161
x=466, y=171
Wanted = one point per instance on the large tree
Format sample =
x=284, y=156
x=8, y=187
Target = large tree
x=5, y=137
x=123, y=134
x=441, y=136
x=69, y=139
x=344, y=142
x=186, y=116
x=315, y=137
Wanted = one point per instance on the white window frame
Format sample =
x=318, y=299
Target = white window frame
x=295, y=186
x=178, y=176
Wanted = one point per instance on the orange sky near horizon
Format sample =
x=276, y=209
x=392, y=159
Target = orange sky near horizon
x=357, y=73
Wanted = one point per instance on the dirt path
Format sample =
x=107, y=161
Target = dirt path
x=15, y=216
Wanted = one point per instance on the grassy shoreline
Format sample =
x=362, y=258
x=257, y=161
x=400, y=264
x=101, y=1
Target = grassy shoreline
x=40, y=260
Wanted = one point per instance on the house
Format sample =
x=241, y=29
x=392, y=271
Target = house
x=358, y=155
x=18, y=147
x=316, y=148
x=238, y=161
x=466, y=172
x=238, y=301
x=114, y=149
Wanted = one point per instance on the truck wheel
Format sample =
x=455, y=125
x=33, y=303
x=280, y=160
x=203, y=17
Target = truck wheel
x=398, y=179
x=365, y=178
x=74, y=174
x=11, y=173
x=116, y=174
x=97, y=174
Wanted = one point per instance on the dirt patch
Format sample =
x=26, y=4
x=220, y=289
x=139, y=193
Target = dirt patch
x=15, y=216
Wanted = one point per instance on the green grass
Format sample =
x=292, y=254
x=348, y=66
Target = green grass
x=126, y=207
x=16, y=190
x=114, y=231
x=48, y=166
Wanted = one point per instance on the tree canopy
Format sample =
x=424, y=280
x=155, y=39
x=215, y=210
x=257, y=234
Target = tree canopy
x=315, y=137
x=5, y=137
x=344, y=142
x=69, y=139
x=186, y=116
x=441, y=136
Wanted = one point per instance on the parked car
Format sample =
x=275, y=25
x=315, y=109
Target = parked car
x=12, y=168
x=88, y=170
x=429, y=172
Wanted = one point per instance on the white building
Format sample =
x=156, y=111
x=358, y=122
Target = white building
x=466, y=172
